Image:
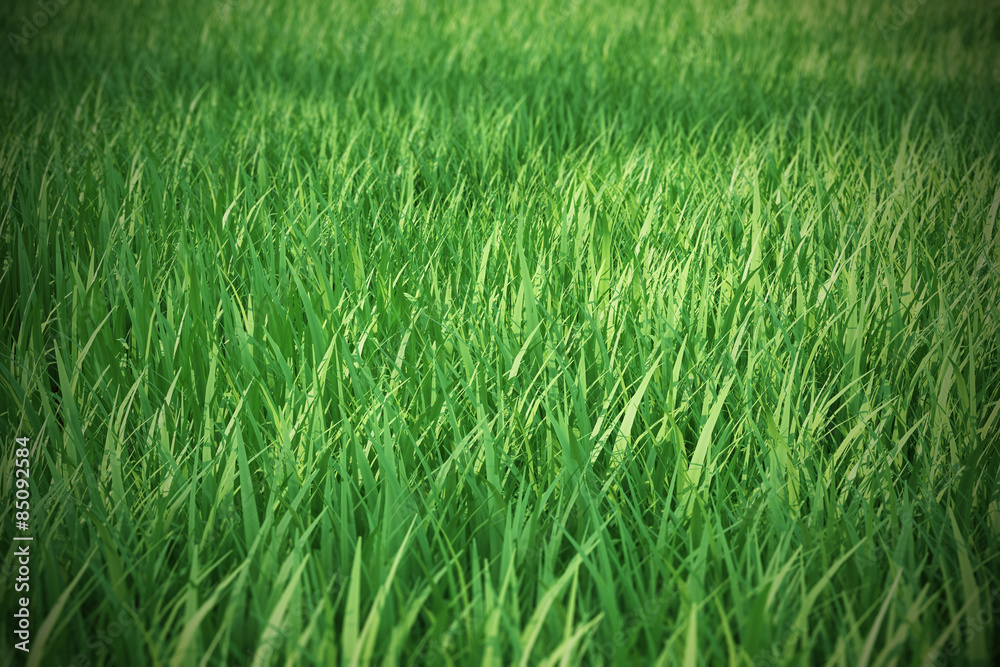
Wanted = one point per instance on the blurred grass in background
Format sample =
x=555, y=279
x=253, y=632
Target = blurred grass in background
x=454, y=333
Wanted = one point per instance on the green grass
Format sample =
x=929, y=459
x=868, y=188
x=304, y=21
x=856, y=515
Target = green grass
x=503, y=333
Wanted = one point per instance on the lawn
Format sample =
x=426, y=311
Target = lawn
x=507, y=333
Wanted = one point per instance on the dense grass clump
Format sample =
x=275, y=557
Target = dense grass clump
x=421, y=332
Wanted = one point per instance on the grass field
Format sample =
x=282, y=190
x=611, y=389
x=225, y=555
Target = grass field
x=558, y=332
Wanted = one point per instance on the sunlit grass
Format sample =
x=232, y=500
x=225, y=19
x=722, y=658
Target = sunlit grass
x=459, y=333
